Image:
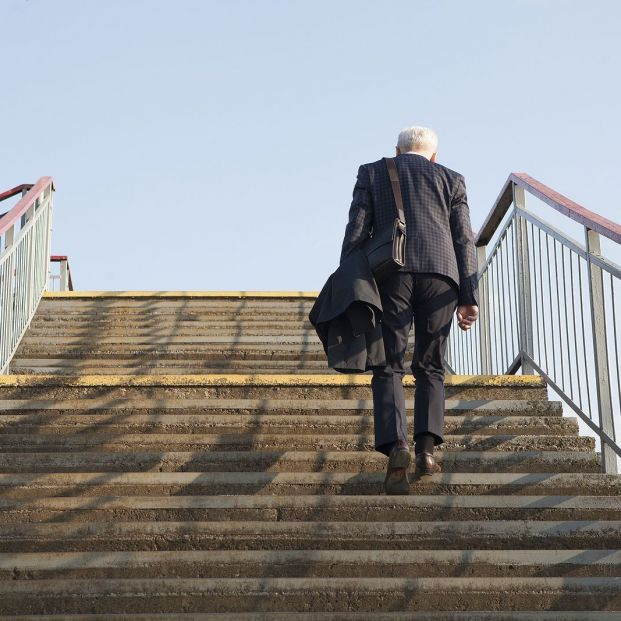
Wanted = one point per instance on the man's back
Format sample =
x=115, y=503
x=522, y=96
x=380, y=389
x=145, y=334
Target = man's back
x=439, y=233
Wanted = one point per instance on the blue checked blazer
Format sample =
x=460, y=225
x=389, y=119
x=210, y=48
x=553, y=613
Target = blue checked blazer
x=437, y=217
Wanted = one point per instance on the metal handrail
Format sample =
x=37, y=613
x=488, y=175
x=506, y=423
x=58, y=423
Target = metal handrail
x=25, y=240
x=554, y=199
x=18, y=189
x=64, y=277
x=548, y=305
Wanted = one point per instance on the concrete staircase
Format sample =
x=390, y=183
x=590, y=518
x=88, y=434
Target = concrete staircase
x=188, y=456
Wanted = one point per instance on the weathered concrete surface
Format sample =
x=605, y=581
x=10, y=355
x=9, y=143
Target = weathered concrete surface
x=340, y=594
x=172, y=455
x=415, y=508
x=479, y=615
x=293, y=461
x=299, y=483
x=293, y=535
x=454, y=407
x=311, y=564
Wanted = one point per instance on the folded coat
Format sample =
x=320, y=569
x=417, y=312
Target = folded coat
x=347, y=317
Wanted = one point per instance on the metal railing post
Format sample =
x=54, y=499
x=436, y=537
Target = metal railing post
x=484, y=341
x=64, y=276
x=524, y=289
x=600, y=353
x=48, y=240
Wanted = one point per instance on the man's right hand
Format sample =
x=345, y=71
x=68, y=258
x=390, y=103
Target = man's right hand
x=467, y=315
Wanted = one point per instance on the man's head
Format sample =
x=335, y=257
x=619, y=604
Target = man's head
x=421, y=140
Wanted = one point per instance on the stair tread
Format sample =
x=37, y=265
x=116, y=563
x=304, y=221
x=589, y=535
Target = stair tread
x=470, y=615
x=250, y=501
x=452, y=405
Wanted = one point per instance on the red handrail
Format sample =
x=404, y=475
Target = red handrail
x=59, y=258
x=16, y=190
x=561, y=203
x=22, y=206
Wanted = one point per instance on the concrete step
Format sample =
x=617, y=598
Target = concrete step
x=160, y=322
x=176, y=316
x=470, y=615
x=178, y=367
x=293, y=535
x=149, y=300
x=36, y=485
x=284, y=407
x=163, y=365
x=369, y=508
x=179, y=319
x=61, y=340
x=293, y=461
x=478, y=615
x=199, y=329
x=96, y=327
x=311, y=563
x=18, y=442
x=71, y=424
x=145, y=303
x=167, y=371
x=204, y=351
x=291, y=594
x=336, y=386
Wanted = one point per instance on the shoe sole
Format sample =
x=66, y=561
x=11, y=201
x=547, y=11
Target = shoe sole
x=399, y=459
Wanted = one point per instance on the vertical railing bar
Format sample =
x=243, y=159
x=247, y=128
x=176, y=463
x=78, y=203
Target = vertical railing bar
x=533, y=264
x=505, y=294
x=515, y=285
x=501, y=315
x=584, y=347
x=545, y=366
x=569, y=365
x=552, y=340
x=488, y=324
x=496, y=315
x=507, y=282
x=467, y=352
x=484, y=344
x=558, y=315
x=573, y=310
x=460, y=358
x=616, y=344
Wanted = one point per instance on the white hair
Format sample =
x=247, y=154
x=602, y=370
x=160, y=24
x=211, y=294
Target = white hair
x=417, y=139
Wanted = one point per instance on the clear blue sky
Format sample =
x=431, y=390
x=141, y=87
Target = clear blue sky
x=204, y=144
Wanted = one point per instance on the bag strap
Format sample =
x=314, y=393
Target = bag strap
x=396, y=186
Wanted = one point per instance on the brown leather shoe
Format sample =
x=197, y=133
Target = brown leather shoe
x=396, y=481
x=426, y=463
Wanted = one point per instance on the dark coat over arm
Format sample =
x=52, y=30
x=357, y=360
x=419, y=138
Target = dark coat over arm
x=347, y=317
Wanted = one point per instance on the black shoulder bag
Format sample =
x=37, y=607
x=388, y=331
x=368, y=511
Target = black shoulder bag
x=385, y=249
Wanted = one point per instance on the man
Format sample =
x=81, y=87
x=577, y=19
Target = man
x=439, y=278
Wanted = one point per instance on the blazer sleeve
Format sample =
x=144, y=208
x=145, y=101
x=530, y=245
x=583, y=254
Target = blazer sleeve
x=463, y=243
x=360, y=214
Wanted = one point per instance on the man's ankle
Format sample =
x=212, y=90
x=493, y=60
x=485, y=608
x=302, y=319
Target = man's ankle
x=424, y=441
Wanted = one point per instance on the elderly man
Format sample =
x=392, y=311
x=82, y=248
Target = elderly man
x=438, y=279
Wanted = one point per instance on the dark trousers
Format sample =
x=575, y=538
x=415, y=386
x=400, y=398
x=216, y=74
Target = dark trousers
x=430, y=300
